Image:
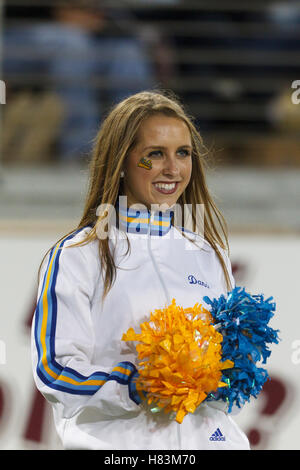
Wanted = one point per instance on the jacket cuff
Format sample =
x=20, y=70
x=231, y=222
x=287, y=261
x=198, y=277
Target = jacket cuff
x=136, y=395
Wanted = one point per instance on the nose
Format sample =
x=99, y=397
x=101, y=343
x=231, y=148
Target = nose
x=171, y=167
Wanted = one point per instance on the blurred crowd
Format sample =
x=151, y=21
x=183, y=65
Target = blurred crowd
x=63, y=72
x=82, y=67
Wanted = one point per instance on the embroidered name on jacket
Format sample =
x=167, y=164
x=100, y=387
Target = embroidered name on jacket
x=193, y=280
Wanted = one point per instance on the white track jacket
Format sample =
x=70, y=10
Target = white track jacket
x=80, y=363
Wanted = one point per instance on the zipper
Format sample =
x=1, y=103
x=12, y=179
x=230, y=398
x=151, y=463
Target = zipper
x=154, y=261
x=166, y=294
x=179, y=435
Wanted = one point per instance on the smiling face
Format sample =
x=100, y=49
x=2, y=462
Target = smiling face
x=166, y=143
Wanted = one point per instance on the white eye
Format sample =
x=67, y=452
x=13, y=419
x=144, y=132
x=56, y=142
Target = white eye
x=185, y=152
x=155, y=153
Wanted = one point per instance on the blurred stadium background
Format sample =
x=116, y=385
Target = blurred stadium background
x=234, y=65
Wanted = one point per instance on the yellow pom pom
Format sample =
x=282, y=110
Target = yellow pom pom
x=180, y=358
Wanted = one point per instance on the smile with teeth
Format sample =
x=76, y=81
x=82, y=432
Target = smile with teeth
x=166, y=188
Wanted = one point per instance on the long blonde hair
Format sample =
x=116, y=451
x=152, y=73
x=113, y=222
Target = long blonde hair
x=115, y=139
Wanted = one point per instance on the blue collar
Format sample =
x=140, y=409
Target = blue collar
x=143, y=220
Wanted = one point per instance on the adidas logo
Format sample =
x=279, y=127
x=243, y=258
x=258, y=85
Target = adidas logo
x=217, y=436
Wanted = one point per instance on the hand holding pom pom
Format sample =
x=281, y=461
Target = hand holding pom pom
x=243, y=320
x=180, y=357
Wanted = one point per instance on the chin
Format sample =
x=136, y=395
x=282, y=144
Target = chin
x=168, y=202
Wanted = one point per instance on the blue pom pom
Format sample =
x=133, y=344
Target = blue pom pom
x=243, y=320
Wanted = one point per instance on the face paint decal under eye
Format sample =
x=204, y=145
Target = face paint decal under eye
x=144, y=163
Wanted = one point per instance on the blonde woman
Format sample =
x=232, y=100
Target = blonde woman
x=130, y=254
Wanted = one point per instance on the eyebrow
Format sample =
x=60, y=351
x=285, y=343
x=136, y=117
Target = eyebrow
x=162, y=147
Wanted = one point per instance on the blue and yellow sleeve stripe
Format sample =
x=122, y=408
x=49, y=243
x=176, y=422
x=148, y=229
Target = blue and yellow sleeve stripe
x=54, y=375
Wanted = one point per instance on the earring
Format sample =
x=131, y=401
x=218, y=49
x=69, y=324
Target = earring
x=122, y=174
